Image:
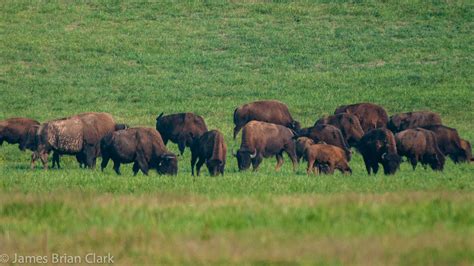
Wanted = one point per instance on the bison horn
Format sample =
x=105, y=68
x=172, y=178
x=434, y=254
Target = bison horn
x=254, y=154
x=383, y=156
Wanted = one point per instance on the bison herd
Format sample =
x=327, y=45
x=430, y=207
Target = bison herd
x=268, y=129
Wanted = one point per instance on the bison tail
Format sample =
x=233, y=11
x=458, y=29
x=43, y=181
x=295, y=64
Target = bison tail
x=158, y=118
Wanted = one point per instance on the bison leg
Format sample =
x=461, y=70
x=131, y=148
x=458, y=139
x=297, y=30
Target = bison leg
x=89, y=154
x=117, y=167
x=291, y=151
x=221, y=168
x=181, y=143
x=34, y=158
x=375, y=167
x=80, y=158
x=56, y=159
x=142, y=163
x=135, y=168
x=256, y=162
x=105, y=161
x=279, y=158
x=331, y=167
x=310, y=168
x=413, y=161
x=193, y=161
x=44, y=159
x=199, y=165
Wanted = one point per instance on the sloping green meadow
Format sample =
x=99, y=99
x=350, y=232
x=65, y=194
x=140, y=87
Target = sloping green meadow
x=138, y=59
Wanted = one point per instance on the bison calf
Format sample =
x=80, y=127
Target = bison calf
x=420, y=145
x=141, y=146
x=324, y=155
x=210, y=148
x=329, y=134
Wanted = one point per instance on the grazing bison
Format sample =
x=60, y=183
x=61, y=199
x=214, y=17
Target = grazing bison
x=15, y=130
x=449, y=143
x=329, y=134
x=301, y=144
x=379, y=146
x=420, y=145
x=210, y=148
x=182, y=129
x=78, y=135
x=270, y=111
x=324, y=154
x=141, y=146
x=370, y=115
x=400, y=122
x=348, y=124
x=466, y=145
x=262, y=140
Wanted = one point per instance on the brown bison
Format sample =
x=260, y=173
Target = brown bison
x=420, y=145
x=348, y=124
x=262, y=140
x=182, y=129
x=329, y=134
x=379, y=146
x=449, y=143
x=15, y=130
x=270, y=111
x=301, y=144
x=330, y=156
x=210, y=148
x=78, y=135
x=370, y=115
x=402, y=121
x=141, y=146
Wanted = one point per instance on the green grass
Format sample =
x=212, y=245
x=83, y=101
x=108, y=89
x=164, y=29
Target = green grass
x=136, y=60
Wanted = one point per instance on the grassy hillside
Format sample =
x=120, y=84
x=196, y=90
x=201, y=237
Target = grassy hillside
x=136, y=60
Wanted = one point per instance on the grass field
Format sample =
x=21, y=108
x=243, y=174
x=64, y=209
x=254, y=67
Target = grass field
x=136, y=60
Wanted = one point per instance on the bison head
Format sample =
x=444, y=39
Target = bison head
x=295, y=125
x=391, y=163
x=244, y=158
x=167, y=165
x=435, y=161
x=395, y=122
x=214, y=167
